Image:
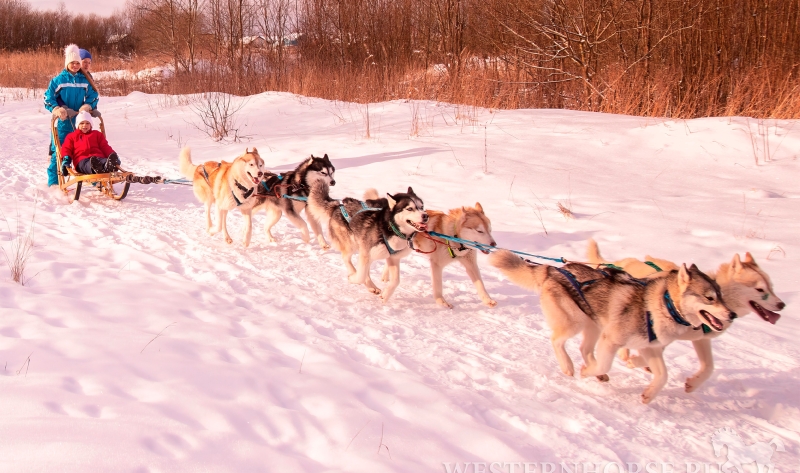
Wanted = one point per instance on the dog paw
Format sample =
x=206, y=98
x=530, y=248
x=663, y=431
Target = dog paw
x=228, y=240
x=647, y=368
x=271, y=239
x=569, y=372
x=603, y=378
x=647, y=396
x=691, y=384
x=490, y=302
x=325, y=247
x=374, y=290
x=444, y=303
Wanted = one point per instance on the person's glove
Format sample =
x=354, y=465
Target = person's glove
x=70, y=112
x=85, y=108
x=60, y=112
x=65, y=166
x=95, y=113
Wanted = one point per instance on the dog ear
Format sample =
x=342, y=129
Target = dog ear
x=310, y=160
x=392, y=201
x=255, y=151
x=736, y=264
x=410, y=191
x=684, y=278
x=478, y=207
x=748, y=258
x=326, y=158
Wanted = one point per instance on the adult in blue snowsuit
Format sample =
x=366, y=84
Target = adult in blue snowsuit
x=69, y=92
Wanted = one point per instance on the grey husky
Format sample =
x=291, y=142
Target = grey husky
x=744, y=285
x=378, y=229
x=297, y=184
x=614, y=311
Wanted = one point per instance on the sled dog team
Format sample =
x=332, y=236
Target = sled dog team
x=616, y=306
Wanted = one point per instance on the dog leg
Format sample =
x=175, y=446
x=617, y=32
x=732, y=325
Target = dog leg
x=223, y=225
x=591, y=333
x=298, y=222
x=273, y=215
x=655, y=359
x=624, y=354
x=209, y=223
x=248, y=227
x=348, y=263
x=394, y=279
x=385, y=273
x=317, y=229
x=604, y=357
x=436, y=281
x=474, y=273
x=706, y=358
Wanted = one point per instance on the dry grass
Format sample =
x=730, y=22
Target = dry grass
x=21, y=249
x=565, y=211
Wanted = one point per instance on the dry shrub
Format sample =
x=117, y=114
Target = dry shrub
x=665, y=58
x=21, y=250
x=565, y=211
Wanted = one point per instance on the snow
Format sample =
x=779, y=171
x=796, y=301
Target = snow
x=153, y=347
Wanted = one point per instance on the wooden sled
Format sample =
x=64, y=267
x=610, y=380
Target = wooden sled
x=105, y=183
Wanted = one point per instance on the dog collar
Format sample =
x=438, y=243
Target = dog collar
x=399, y=233
x=673, y=311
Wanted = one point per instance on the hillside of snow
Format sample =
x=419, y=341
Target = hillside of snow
x=141, y=344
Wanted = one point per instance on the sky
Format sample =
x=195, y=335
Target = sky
x=100, y=7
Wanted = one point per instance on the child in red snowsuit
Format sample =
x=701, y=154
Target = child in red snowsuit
x=88, y=149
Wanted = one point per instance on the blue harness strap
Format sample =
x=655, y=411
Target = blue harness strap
x=651, y=334
x=364, y=208
x=293, y=197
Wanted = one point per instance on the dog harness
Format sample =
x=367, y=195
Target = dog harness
x=274, y=188
x=245, y=193
x=202, y=168
x=452, y=252
x=364, y=208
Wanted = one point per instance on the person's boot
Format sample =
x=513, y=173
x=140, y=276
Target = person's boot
x=112, y=163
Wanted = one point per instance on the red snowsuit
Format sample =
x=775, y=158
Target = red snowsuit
x=79, y=146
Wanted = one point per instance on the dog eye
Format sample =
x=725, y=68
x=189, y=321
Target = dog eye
x=710, y=298
x=760, y=290
x=480, y=231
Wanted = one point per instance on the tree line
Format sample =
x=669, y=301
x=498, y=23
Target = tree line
x=678, y=58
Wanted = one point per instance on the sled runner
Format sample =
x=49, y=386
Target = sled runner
x=113, y=184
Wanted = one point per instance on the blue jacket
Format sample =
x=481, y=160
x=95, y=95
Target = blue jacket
x=71, y=91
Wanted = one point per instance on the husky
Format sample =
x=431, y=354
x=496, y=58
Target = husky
x=228, y=185
x=296, y=183
x=377, y=228
x=744, y=286
x=468, y=223
x=614, y=310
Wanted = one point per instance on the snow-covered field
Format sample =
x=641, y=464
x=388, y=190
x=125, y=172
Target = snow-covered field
x=141, y=344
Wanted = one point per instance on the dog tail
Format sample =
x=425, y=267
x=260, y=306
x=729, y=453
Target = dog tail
x=371, y=194
x=320, y=205
x=518, y=271
x=593, y=253
x=187, y=168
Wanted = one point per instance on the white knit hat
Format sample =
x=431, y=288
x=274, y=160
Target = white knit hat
x=83, y=117
x=72, y=53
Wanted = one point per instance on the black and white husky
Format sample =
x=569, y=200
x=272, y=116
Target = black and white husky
x=297, y=185
x=378, y=229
